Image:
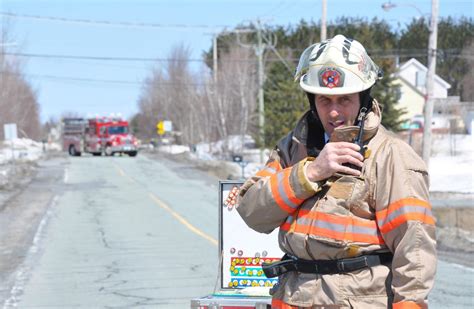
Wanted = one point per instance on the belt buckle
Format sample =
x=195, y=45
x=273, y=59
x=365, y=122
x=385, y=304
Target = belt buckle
x=361, y=262
x=340, y=266
x=282, y=269
x=353, y=264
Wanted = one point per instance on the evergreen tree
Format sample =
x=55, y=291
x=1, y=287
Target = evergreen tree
x=386, y=93
x=285, y=103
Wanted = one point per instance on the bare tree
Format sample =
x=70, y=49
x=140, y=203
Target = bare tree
x=200, y=109
x=170, y=93
x=233, y=98
x=18, y=100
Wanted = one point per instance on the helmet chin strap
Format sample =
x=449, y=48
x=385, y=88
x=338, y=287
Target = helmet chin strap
x=312, y=105
x=365, y=103
x=315, y=137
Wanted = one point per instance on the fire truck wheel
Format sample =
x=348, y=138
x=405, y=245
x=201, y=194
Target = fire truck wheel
x=132, y=154
x=108, y=151
x=73, y=152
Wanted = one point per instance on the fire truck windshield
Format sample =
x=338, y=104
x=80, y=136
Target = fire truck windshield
x=118, y=130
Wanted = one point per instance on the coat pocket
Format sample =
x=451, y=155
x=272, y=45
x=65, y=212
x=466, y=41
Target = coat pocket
x=351, y=193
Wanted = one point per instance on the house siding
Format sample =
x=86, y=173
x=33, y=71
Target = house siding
x=410, y=100
x=412, y=95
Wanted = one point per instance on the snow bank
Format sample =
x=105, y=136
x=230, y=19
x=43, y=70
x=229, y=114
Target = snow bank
x=173, y=149
x=21, y=149
x=451, y=166
x=224, y=149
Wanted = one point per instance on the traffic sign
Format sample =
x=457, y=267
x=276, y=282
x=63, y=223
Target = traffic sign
x=160, y=128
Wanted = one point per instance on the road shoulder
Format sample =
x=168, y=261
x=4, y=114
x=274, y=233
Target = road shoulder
x=31, y=194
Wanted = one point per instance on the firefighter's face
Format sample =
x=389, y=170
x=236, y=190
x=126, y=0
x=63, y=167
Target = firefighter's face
x=337, y=110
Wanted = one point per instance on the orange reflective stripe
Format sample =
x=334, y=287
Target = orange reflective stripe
x=401, y=211
x=276, y=195
x=344, y=236
x=287, y=188
x=337, y=227
x=263, y=173
x=382, y=214
x=408, y=305
x=285, y=226
x=279, y=304
x=338, y=219
x=282, y=192
x=270, y=169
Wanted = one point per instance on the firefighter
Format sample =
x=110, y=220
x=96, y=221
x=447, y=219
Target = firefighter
x=350, y=199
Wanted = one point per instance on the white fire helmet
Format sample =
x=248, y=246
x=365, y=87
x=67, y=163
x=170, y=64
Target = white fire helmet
x=336, y=66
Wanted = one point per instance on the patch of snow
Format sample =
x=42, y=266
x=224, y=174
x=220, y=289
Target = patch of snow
x=451, y=167
x=173, y=149
x=21, y=149
x=223, y=149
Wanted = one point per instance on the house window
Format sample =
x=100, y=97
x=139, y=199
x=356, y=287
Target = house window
x=420, y=79
x=398, y=94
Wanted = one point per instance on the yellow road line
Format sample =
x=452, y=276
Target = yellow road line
x=183, y=221
x=178, y=217
x=121, y=172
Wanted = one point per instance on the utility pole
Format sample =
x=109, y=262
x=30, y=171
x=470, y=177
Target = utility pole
x=428, y=110
x=323, y=21
x=259, y=49
x=214, y=58
x=261, y=106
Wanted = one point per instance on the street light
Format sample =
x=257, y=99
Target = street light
x=432, y=46
x=387, y=6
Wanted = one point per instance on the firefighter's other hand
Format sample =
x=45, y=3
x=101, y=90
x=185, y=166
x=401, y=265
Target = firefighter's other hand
x=331, y=159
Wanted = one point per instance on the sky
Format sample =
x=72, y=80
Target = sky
x=142, y=33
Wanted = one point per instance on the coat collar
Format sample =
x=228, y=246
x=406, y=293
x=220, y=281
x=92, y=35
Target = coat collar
x=371, y=125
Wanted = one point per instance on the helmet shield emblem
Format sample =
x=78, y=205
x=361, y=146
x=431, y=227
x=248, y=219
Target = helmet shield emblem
x=331, y=77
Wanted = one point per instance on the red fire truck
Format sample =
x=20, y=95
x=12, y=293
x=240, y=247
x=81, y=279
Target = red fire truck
x=99, y=136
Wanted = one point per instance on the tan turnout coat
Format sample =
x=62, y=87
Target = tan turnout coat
x=386, y=208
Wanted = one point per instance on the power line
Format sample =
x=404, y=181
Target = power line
x=71, y=78
x=78, y=79
x=284, y=9
x=108, y=81
x=109, y=23
x=275, y=8
x=108, y=58
x=102, y=58
x=376, y=53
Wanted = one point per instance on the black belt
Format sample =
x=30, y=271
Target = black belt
x=291, y=263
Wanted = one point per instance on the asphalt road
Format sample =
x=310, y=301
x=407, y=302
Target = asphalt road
x=95, y=232
x=120, y=232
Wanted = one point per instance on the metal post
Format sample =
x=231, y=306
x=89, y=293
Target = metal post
x=323, y=21
x=13, y=151
x=428, y=110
